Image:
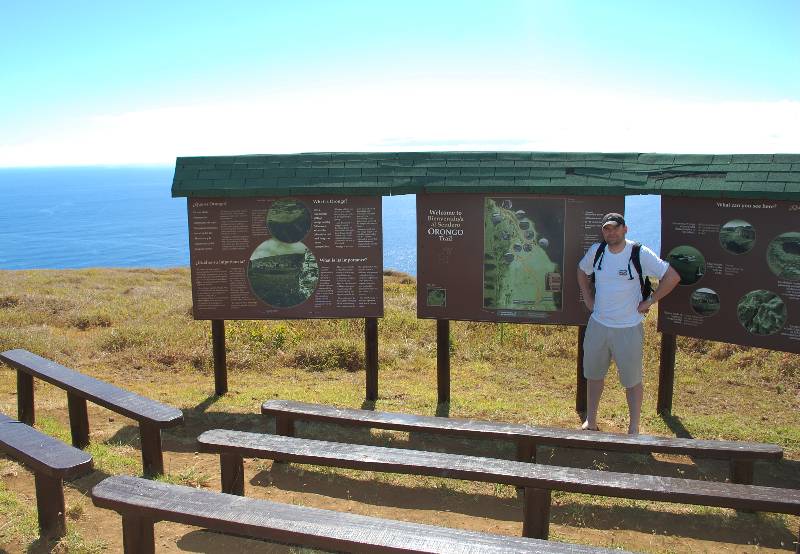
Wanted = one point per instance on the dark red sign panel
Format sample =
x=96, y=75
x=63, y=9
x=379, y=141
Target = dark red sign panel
x=286, y=258
x=739, y=262
x=505, y=257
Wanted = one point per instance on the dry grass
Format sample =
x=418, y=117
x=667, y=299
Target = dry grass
x=134, y=328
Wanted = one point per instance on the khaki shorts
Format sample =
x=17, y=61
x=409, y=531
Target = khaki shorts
x=624, y=344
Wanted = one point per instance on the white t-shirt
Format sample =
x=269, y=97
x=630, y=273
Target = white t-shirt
x=617, y=288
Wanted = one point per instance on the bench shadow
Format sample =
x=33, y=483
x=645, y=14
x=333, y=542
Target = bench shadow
x=678, y=429
x=784, y=474
x=85, y=483
x=127, y=435
x=196, y=420
x=727, y=526
x=307, y=479
x=205, y=540
x=721, y=525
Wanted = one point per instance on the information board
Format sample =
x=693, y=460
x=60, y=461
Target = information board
x=505, y=257
x=286, y=258
x=739, y=262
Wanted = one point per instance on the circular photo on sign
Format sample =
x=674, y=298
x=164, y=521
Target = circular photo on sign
x=282, y=274
x=783, y=256
x=288, y=220
x=737, y=236
x=704, y=302
x=688, y=262
x=761, y=312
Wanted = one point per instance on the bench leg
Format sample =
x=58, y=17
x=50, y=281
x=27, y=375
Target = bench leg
x=231, y=468
x=25, y=411
x=50, y=505
x=78, y=420
x=742, y=472
x=152, y=457
x=284, y=425
x=526, y=450
x=138, y=535
x=536, y=522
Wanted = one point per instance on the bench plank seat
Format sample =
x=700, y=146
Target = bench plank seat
x=528, y=436
x=151, y=415
x=534, y=477
x=141, y=502
x=41, y=452
x=51, y=461
x=99, y=392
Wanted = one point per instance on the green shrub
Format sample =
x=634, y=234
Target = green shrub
x=256, y=333
x=337, y=354
x=121, y=339
x=87, y=321
x=9, y=301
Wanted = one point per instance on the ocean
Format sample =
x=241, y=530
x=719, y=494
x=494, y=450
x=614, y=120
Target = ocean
x=66, y=218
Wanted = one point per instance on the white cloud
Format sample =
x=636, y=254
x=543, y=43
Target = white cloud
x=419, y=116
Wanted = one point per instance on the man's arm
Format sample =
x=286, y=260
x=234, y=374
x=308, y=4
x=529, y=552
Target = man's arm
x=587, y=289
x=668, y=282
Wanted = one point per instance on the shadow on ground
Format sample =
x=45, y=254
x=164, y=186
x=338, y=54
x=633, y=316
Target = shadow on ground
x=727, y=526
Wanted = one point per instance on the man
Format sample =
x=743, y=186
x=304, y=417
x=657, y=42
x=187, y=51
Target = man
x=615, y=328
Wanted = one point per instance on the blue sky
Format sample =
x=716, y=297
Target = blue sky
x=113, y=83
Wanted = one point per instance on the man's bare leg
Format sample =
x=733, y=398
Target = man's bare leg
x=634, y=396
x=594, y=389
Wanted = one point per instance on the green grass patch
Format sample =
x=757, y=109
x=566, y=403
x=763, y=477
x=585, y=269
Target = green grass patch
x=19, y=524
x=51, y=426
x=115, y=458
x=17, y=516
x=188, y=476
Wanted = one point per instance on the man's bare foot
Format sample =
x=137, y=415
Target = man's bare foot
x=585, y=427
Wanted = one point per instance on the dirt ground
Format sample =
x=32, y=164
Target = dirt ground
x=650, y=527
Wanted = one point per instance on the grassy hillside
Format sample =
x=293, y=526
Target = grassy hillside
x=134, y=328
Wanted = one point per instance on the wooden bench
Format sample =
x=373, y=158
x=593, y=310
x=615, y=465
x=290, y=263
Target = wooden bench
x=741, y=455
x=141, y=503
x=51, y=461
x=538, y=480
x=152, y=416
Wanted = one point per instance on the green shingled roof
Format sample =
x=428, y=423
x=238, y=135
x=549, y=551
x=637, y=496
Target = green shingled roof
x=773, y=176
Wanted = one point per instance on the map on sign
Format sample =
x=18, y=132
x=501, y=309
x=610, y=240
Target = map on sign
x=523, y=252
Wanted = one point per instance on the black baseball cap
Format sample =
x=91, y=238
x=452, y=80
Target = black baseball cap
x=613, y=217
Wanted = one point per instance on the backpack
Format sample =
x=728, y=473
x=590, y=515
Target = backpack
x=644, y=283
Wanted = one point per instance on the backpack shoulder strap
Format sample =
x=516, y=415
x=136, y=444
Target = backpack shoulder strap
x=599, y=254
x=636, y=252
x=644, y=282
